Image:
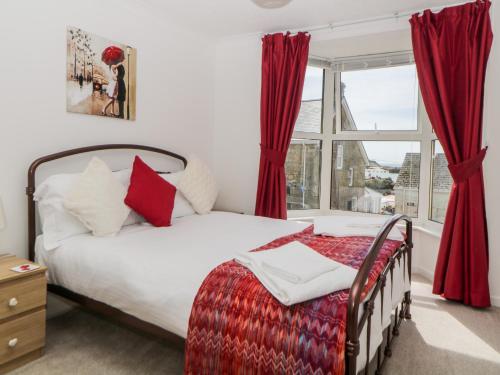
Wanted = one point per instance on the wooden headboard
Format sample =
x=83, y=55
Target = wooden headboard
x=30, y=189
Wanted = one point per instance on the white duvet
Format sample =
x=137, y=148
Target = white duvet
x=155, y=273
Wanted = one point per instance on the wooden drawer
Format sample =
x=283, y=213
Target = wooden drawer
x=21, y=295
x=25, y=334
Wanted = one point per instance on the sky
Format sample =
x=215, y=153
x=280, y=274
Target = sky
x=382, y=99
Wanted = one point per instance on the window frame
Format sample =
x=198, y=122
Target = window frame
x=320, y=168
x=433, y=222
x=332, y=131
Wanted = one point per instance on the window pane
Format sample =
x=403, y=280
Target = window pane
x=303, y=169
x=441, y=183
x=380, y=177
x=311, y=109
x=380, y=99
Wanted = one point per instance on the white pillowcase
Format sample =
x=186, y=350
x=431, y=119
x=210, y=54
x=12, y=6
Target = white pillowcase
x=182, y=207
x=198, y=185
x=124, y=177
x=58, y=224
x=96, y=199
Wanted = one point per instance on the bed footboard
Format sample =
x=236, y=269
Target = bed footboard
x=355, y=323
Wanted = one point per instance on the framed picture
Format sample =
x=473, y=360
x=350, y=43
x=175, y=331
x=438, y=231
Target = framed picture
x=100, y=76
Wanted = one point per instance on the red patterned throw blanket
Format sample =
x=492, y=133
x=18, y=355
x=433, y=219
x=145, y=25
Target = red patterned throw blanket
x=238, y=327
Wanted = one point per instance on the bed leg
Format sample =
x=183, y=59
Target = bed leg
x=352, y=351
x=395, y=329
x=387, y=350
x=407, y=301
x=378, y=371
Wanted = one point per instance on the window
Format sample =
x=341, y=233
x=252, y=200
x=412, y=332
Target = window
x=383, y=177
x=441, y=183
x=340, y=156
x=380, y=99
x=303, y=163
x=368, y=145
x=311, y=110
x=350, y=176
x=303, y=169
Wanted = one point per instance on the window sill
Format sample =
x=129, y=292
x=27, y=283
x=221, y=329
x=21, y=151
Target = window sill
x=428, y=227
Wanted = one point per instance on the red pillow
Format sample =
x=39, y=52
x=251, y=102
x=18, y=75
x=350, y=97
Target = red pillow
x=150, y=195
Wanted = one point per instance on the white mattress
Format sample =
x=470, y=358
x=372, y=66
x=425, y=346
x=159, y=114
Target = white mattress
x=155, y=273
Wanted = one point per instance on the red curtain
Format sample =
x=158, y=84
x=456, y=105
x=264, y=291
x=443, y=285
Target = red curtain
x=451, y=50
x=284, y=63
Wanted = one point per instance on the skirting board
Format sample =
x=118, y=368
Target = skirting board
x=495, y=301
x=429, y=275
x=57, y=305
x=422, y=272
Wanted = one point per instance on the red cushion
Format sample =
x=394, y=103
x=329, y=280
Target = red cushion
x=150, y=195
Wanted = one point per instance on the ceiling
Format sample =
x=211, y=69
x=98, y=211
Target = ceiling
x=232, y=17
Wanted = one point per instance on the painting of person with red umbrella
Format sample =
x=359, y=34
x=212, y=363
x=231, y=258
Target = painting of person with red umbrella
x=100, y=76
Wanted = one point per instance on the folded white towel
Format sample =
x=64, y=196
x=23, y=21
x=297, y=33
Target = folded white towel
x=294, y=262
x=346, y=226
x=289, y=293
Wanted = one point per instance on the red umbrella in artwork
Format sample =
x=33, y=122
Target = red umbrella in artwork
x=112, y=55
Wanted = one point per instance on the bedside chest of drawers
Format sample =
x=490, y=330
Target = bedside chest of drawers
x=23, y=298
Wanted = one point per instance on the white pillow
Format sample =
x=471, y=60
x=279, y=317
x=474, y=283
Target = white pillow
x=198, y=186
x=124, y=177
x=96, y=199
x=56, y=222
x=182, y=207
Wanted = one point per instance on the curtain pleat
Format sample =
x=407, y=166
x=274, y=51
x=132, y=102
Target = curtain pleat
x=284, y=63
x=451, y=50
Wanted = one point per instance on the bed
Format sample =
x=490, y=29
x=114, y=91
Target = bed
x=153, y=287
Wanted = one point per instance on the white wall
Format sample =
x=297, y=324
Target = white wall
x=174, y=90
x=425, y=252
x=237, y=115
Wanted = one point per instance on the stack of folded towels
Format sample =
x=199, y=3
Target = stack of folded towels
x=352, y=225
x=295, y=273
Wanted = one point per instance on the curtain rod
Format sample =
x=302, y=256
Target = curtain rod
x=395, y=16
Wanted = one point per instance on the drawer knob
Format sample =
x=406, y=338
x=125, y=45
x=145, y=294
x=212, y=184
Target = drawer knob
x=13, y=302
x=13, y=342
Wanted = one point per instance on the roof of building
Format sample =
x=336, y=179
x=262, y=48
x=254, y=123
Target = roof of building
x=441, y=178
x=309, y=119
x=409, y=174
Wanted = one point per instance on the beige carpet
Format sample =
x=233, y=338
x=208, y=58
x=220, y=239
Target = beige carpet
x=446, y=338
x=443, y=338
